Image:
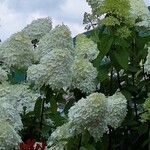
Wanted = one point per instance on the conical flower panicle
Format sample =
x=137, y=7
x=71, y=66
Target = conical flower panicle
x=17, y=51
x=84, y=75
x=93, y=113
x=85, y=47
x=38, y=28
x=58, y=38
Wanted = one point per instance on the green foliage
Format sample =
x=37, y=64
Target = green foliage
x=64, y=114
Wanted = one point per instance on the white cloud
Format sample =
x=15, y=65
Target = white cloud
x=74, y=8
x=14, y=17
x=9, y=21
x=70, y=13
x=147, y=2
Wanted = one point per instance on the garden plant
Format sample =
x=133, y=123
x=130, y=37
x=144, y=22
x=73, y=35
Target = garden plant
x=90, y=92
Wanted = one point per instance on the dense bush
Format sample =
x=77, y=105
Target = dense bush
x=87, y=93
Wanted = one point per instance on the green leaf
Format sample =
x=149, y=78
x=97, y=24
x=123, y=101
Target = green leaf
x=68, y=105
x=127, y=94
x=57, y=118
x=103, y=72
x=53, y=103
x=85, y=137
x=37, y=108
x=121, y=42
x=87, y=147
x=45, y=130
x=122, y=57
x=104, y=45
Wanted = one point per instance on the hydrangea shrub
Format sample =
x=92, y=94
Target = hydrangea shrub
x=87, y=92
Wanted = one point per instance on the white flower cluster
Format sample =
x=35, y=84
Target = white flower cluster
x=54, y=70
x=85, y=47
x=36, y=75
x=38, y=28
x=60, y=65
x=3, y=75
x=14, y=100
x=9, y=114
x=140, y=11
x=59, y=137
x=89, y=114
x=84, y=75
x=116, y=109
x=147, y=63
x=19, y=96
x=55, y=56
x=10, y=121
x=9, y=138
x=55, y=67
x=59, y=37
x=94, y=113
x=17, y=50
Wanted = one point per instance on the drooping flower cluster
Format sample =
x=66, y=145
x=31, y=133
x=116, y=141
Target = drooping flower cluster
x=147, y=63
x=38, y=28
x=17, y=51
x=89, y=114
x=36, y=74
x=94, y=113
x=85, y=47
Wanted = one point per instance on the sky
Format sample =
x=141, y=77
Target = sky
x=16, y=14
